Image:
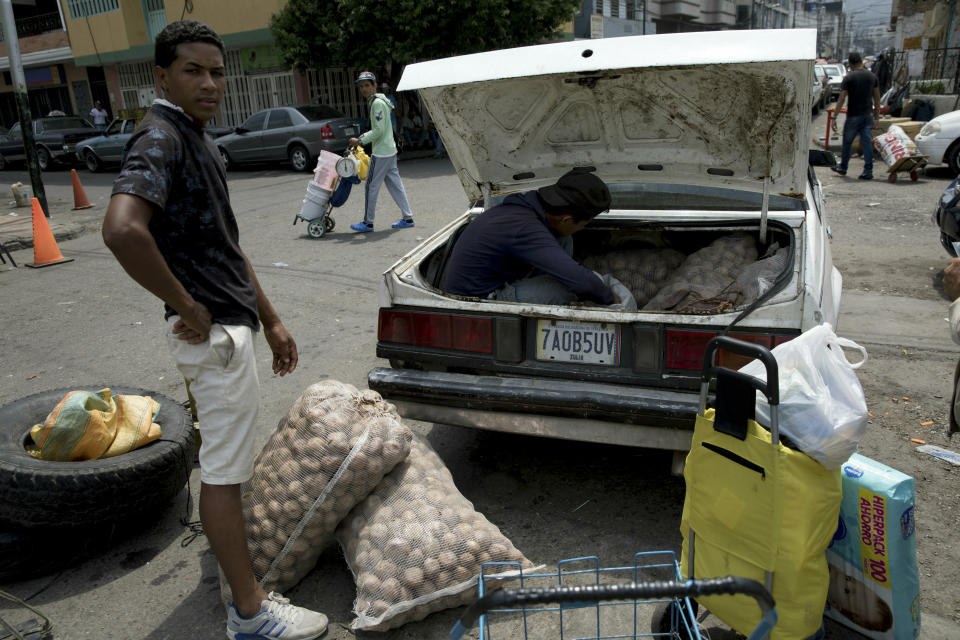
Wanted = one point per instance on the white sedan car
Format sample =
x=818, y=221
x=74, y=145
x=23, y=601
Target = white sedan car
x=703, y=141
x=940, y=139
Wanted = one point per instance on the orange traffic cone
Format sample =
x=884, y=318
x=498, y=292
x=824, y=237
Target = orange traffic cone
x=79, y=197
x=45, y=250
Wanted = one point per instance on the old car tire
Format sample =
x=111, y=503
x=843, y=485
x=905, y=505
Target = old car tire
x=947, y=243
x=953, y=157
x=41, y=493
x=299, y=158
x=92, y=161
x=43, y=158
x=225, y=158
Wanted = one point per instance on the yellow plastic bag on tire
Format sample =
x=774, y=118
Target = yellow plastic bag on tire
x=87, y=426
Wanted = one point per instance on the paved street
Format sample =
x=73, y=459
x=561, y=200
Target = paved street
x=86, y=324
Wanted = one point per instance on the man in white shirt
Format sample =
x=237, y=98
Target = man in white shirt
x=99, y=115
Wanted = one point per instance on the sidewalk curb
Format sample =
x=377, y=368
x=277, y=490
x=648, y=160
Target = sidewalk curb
x=61, y=232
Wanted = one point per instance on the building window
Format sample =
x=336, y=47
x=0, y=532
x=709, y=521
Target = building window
x=137, y=88
x=84, y=8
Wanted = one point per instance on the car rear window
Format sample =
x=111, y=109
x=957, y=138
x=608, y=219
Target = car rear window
x=677, y=197
x=57, y=124
x=674, y=197
x=319, y=112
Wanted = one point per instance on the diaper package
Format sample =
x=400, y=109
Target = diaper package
x=874, y=586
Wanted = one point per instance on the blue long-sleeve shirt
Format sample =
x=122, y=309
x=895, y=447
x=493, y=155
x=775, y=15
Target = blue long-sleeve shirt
x=508, y=242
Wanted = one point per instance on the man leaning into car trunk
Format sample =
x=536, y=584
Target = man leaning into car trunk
x=521, y=250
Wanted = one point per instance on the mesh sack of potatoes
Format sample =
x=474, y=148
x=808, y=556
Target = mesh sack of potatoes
x=416, y=544
x=706, y=282
x=643, y=270
x=333, y=447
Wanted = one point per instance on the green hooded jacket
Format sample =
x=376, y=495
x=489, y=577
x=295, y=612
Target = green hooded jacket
x=381, y=127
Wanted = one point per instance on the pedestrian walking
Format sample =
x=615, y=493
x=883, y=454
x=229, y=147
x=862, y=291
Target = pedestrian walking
x=99, y=115
x=383, y=163
x=860, y=85
x=170, y=225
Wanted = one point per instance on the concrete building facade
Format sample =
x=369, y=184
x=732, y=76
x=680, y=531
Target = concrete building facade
x=75, y=52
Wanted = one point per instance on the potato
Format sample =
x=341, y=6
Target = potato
x=390, y=589
x=368, y=583
x=447, y=559
x=413, y=575
x=292, y=508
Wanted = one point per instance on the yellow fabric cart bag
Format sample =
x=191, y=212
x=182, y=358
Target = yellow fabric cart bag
x=756, y=509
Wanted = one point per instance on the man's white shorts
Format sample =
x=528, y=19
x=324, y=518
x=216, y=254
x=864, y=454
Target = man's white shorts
x=222, y=374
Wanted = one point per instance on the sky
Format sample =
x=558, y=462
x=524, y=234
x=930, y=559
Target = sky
x=867, y=11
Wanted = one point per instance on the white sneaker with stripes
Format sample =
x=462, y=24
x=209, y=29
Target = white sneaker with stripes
x=276, y=620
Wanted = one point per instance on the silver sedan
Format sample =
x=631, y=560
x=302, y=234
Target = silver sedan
x=295, y=134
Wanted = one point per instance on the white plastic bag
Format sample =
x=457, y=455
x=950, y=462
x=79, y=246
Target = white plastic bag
x=627, y=301
x=822, y=406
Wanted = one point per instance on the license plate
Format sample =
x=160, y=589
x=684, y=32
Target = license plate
x=350, y=131
x=586, y=342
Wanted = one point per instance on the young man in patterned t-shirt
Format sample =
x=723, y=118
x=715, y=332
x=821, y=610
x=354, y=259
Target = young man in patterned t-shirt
x=171, y=227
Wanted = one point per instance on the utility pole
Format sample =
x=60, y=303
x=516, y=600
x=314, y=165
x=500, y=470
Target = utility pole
x=23, y=104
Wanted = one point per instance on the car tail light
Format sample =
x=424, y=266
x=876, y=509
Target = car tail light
x=395, y=326
x=436, y=330
x=431, y=330
x=326, y=132
x=685, y=349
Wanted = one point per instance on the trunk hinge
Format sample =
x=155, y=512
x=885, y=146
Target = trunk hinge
x=764, y=209
x=485, y=191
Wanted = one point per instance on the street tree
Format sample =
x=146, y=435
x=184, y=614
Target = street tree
x=369, y=33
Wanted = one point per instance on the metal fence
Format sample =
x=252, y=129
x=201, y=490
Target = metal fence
x=935, y=71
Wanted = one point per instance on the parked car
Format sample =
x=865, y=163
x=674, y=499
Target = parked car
x=940, y=140
x=947, y=217
x=820, y=92
x=817, y=95
x=674, y=138
x=56, y=139
x=107, y=149
x=295, y=134
x=835, y=74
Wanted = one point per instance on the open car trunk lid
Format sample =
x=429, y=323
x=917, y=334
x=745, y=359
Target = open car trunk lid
x=725, y=108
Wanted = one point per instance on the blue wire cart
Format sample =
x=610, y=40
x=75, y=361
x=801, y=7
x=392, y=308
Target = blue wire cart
x=581, y=600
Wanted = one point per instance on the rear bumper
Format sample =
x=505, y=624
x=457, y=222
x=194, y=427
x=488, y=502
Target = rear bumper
x=612, y=414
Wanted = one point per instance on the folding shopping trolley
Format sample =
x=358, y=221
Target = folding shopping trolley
x=755, y=507
x=582, y=601
x=320, y=199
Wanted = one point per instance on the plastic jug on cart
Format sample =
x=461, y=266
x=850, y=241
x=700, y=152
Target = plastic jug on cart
x=325, y=174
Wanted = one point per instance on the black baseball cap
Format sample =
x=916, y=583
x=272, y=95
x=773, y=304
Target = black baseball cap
x=577, y=189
